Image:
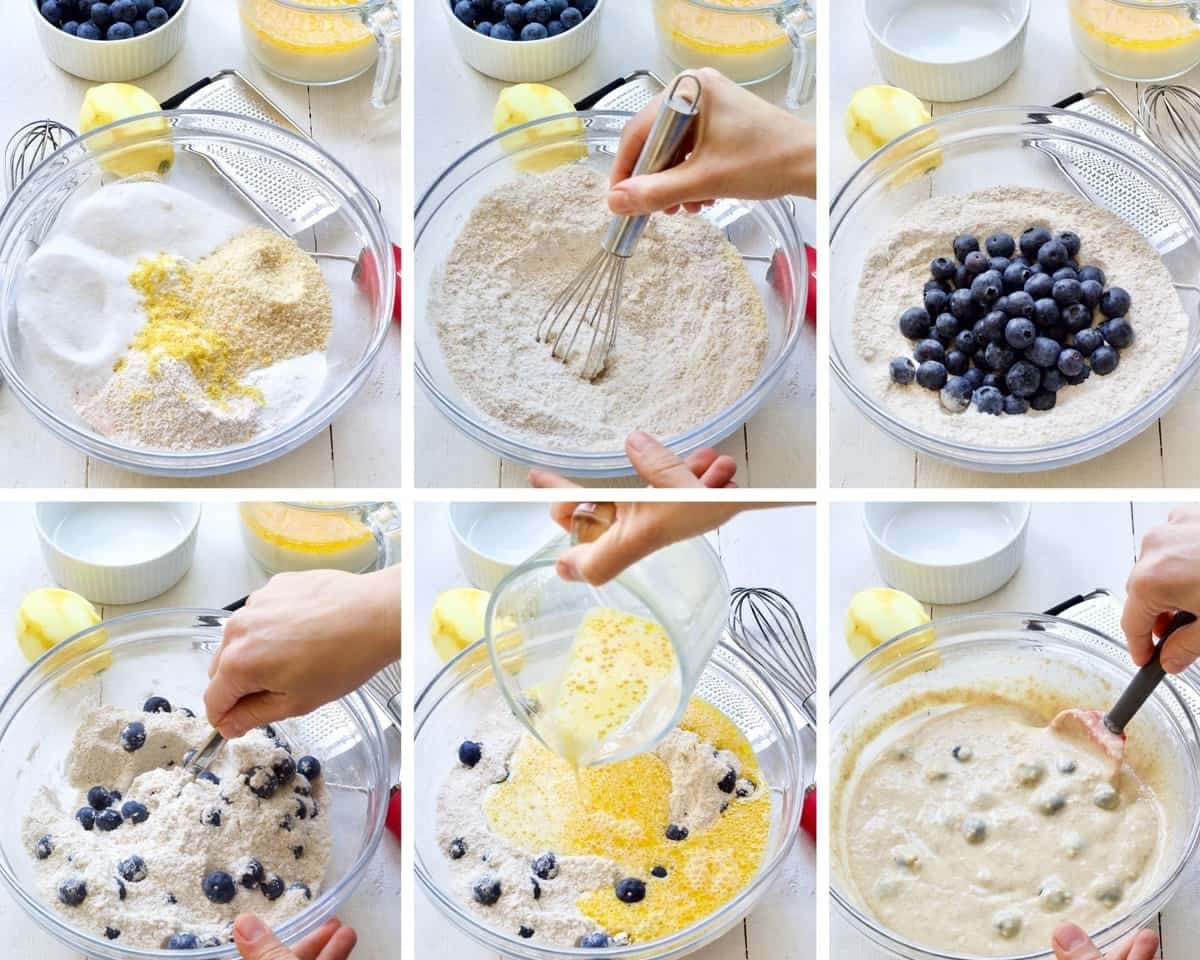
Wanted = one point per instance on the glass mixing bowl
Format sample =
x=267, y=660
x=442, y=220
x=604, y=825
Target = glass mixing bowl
x=764, y=231
x=167, y=652
x=998, y=652
x=287, y=174
x=463, y=690
x=1013, y=146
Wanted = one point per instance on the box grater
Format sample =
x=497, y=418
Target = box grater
x=627, y=94
x=1104, y=181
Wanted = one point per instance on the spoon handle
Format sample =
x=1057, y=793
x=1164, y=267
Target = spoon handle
x=1145, y=680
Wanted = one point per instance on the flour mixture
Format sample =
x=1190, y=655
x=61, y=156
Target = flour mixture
x=692, y=336
x=149, y=856
x=165, y=323
x=977, y=829
x=625, y=853
x=896, y=270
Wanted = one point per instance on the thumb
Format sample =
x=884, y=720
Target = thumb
x=657, y=465
x=256, y=710
x=652, y=192
x=1071, y=943
x=256, y=941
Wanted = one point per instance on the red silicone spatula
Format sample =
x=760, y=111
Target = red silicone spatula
x=1107, y=730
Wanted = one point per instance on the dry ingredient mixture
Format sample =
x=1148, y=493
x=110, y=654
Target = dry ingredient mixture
x=623, y=853
x=148, y=856
x=977, y=829
x=169, y=338
x=692, y=336
x=900, y=264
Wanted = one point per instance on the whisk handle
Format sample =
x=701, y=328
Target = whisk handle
x=675, y=118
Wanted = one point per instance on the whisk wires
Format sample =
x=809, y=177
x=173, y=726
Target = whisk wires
x=590, y=301
x=765, y=624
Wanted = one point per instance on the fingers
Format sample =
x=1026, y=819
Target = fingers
x=683, y=184
x=633, y=138
x=340, y=946
x=254, y=710
x=1142, y=945
x=657, y=465
x=310, y=947
x=1182, y=649
x=720, y=474
x=561, y=514
x=1071, y=943
x=548, y=479
x=701, y=460
x=1139, y=616
x=256, y=942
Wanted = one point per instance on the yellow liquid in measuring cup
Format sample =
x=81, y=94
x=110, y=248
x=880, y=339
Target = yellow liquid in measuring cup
x=285, y=538
x=618, y=687
x=618, y=811
x=308, y=46
x=1135, y=43
x=745, y=47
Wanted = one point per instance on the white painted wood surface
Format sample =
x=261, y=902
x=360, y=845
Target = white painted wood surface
x=1071, y=549
x=223, y=571
x=861, y=455
x=759, y=548
x=776, y=447
x=362, y=446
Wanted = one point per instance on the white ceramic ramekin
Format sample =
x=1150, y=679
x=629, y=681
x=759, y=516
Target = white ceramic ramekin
x=143, y=563
x=112, y=61
x=951, y=80
x=492, y=539
x=964, y=566
x=526, y=62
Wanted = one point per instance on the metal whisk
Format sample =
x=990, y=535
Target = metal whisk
x=1170, y=114
x=29, y=146
x=767, y=627
x=593, y=298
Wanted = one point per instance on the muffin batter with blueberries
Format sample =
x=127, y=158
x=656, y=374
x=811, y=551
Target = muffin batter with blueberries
x=977, y=829
x=622, y=853
x=149, y=856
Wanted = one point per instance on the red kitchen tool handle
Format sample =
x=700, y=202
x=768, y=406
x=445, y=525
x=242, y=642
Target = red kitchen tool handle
x=364, y=276
x=808, y=816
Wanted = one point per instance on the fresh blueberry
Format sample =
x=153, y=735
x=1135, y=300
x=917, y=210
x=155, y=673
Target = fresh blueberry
x=594, y=940
x=251, y=873
x=1023, y=379
x=676, y=832
x=545, y=867
x=1067, y=292
x=1015, y=406
x=1115, y=302
x=956, y=394
x=988, y=400
x=1053, y=380
x=502, y=31
x=943, y=268
x=1076, y=317
x=1020, y=304
x=990, y=328
x=965, y=342
x=936, y=301
x=123, y=11
x=975, y=377
x=1092, y=273
x=43, y=848
x=272, y=887
x=86, y=817
x=71, y=28
x=962, y=277
x=119, y=31
x=1039, y=286
x=963, y=306
x=101, y=15
x=156, y=704
x=310, y=767
x=526, y=932
x=976, y=262
x=1088, y=341
x=483, y=28
x=1065, y=273
x=297, y=852
x=932, y=375
x=143, y=6
x=999, y=357
x=457, y=848
x=72, y=891
x=1043, y=400
x=957, y=363
x=965, y=244
x=631, y=890
x=1001, y=245
x=114, y=796
x=1070, y=362
x=534, y=31
x=1044, y=352
x=284, y=769
x=183, y=941
x=987, y=288
x=999, y=264
x=1015, y=277
x=1032, y=240
x=585, y=7
x=171, y=6
x=1019, y=333
x=464, y=10
x=1046, y=312
x=946, y=327
x=135, y=812
x=187, y=712
x=219, y=887
x=486, y=890
x=538, y=11
x=133, y=736
x=208, y=776
x=109, y=819
x=1070, y=241
x=111, y=933
x=132, y=868
x=994, y=380
x=557, y=7
x=1118, y=332
x=261, y=782
x=1090, y=292
x=98, y=798
x=52, y=12
x=514, y=15
x=914, y=324
x=929, y=350
x=211, y=816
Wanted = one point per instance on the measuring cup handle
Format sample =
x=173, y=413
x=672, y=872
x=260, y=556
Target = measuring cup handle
x=801, y=26
x=384, y=521
x=591, y=520
x=384, y=21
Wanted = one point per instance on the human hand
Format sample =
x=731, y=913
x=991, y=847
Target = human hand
x=1165, y=579
x=302, y=640
x=255, y=941
x=659, y=467
x=1071, y=943
x=740, y=146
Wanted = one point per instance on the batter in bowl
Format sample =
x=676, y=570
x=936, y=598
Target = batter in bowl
x=976, y=829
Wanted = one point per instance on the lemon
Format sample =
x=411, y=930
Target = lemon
x=50, y=615
x=881, y=613
x=110, y=102
x=457, y=622
x=535, y=101
x=879, y=114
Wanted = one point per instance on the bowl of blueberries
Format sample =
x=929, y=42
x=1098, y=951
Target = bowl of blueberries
x=526, y=41
x=110, y=40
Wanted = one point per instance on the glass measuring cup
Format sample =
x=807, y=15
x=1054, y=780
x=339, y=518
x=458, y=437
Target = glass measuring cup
x=599, y=674
x=747, y=40
x=1137, y=39
x=323, y=42
x=287, y=537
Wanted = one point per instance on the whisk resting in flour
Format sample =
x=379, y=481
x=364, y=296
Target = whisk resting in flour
x=593, y=298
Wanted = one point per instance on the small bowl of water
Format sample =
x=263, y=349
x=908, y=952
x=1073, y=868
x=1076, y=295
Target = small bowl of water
x=948, y=50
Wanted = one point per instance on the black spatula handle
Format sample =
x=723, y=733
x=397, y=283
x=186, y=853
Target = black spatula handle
x=1146, y=679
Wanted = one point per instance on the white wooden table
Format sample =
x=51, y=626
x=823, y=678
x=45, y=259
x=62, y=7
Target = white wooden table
x=760, y=548
x=222, y=572
x=362, y=446
x=864, y=456
x=776, y=447
x=1071, y=549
